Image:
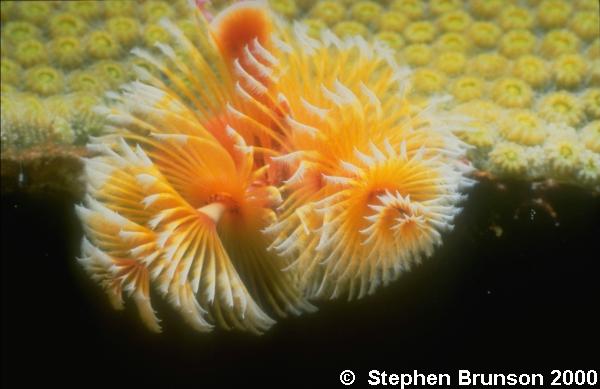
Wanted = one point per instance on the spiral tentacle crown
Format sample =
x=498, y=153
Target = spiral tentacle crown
x=263, y=169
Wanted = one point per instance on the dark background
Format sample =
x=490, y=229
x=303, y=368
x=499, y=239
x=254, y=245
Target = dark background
x=522, y=302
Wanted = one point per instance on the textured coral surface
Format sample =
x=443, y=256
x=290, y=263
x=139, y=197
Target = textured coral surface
x=527, y=72
x=542, y=57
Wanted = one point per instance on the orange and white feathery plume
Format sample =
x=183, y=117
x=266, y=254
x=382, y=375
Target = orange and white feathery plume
x=177, y=199
x=370, y=180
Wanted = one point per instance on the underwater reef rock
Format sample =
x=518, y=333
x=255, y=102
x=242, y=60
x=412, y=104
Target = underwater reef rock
x=50, y=169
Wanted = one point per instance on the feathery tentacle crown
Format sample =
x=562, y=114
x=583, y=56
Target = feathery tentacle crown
x=177, y=200
x=264, y=168
x=373, y=181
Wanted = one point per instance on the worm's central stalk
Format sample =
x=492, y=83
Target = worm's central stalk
x=213, y=210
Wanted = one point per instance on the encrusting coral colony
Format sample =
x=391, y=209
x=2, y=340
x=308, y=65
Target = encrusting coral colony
x=527, y=73
x=243, y=165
